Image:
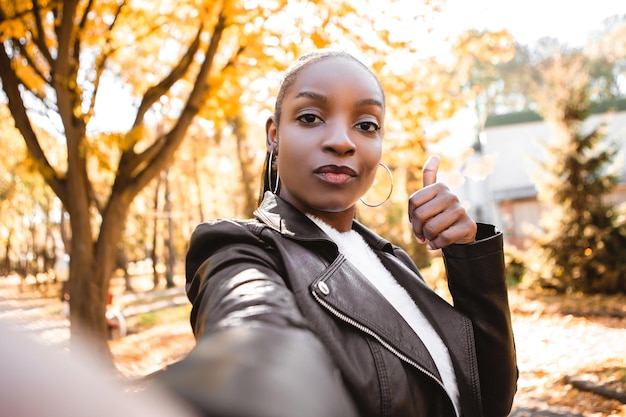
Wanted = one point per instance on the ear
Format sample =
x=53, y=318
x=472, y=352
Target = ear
x=271, y=134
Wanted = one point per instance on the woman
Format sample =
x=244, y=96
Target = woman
x=304, y=311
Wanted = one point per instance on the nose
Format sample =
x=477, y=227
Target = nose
x=338, y=140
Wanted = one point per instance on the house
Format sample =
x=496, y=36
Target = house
x=512, y=142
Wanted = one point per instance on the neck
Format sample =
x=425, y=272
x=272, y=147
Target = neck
x=340, y=221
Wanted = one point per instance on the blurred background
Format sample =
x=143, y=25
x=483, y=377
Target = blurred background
x=125, y=123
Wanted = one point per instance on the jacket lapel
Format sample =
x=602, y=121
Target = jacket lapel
x=450, y=325
x=347, y=291
x=447, y=321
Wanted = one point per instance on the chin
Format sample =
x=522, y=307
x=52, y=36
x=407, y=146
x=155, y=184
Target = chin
x=333, y=207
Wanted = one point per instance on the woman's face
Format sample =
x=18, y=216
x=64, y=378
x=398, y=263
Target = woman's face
x=329, y=137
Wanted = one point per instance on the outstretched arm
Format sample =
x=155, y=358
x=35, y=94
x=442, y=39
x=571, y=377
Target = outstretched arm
x=255, y=355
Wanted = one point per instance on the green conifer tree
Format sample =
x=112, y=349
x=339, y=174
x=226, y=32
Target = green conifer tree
x=581, y=246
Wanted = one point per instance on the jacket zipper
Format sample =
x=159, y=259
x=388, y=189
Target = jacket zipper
x=370, y=332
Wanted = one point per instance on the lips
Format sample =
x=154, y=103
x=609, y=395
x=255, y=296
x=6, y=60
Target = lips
x=336, y=175
x=334, y=169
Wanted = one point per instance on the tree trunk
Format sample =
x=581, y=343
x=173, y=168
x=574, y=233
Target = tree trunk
x=88, y=289
x=155, y=233
x=7, y=254
x=199, y=188
x=91, y=267
x=121, y=262
x=87, y=300
x=171, y=255
x=248, y=179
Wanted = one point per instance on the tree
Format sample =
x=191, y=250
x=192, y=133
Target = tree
x=29, y=233
x=53, y=59
x=176, y=59
x=484, y=67
x=582, y=238
x=605, y=52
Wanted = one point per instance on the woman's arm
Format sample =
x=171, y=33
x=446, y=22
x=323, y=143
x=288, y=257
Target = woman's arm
x=478, y=288
x=255, y=355
x=475, y=266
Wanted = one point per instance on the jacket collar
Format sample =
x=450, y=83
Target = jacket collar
x=284, y=218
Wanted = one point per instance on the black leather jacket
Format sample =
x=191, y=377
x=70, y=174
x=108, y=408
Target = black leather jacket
x=286, y=326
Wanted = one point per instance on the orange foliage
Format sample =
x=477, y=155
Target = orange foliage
x=178, y=59
x=492, y=47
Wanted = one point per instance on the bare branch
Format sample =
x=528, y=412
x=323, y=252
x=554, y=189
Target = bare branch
x=84, y=19
x=146, y=165
x=101, y=59
x=64, y=79
x=155, y=92
x=129, y=160
x=65, y=55
x=10, y=84
x=41, y=35
x=81, y=26
x=31, y=64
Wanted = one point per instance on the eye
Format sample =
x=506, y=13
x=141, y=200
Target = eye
x=369, y=127
x=309, y=119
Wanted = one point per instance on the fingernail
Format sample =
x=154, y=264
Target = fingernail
x=420, y=239
x=430, y=246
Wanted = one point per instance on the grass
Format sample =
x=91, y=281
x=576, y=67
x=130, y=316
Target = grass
x=145, y=321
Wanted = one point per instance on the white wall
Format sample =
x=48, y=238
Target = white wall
x=510, y=186
x=515, y=146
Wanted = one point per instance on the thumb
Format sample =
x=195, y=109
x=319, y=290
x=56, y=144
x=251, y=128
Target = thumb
x=429, y=172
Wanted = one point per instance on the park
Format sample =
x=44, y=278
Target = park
x=126, y=124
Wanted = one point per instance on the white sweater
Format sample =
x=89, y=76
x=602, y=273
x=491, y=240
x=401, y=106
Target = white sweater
x=359, y=254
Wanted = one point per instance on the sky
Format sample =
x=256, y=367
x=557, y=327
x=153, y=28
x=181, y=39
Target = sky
x=571, y=21
x=528, y=20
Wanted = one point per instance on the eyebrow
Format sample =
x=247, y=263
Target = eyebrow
x=312, y=95
x=322, y=98
x=369, y=102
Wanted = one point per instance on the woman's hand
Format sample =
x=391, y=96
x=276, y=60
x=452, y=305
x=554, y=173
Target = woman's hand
x=436, y=214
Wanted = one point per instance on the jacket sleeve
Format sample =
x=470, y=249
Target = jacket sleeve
x=255, y=355
x=478, y=288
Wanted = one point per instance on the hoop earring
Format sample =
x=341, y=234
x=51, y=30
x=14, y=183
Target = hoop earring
x=269, y=175
x=390, y=188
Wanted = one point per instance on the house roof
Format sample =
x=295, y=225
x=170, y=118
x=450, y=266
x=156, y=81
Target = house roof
x=519, y=193
x=616, y=104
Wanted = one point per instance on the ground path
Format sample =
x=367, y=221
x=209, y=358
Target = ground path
x=36, y=314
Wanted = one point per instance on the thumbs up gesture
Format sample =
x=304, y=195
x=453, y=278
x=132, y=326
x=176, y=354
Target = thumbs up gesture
x=435, y=213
